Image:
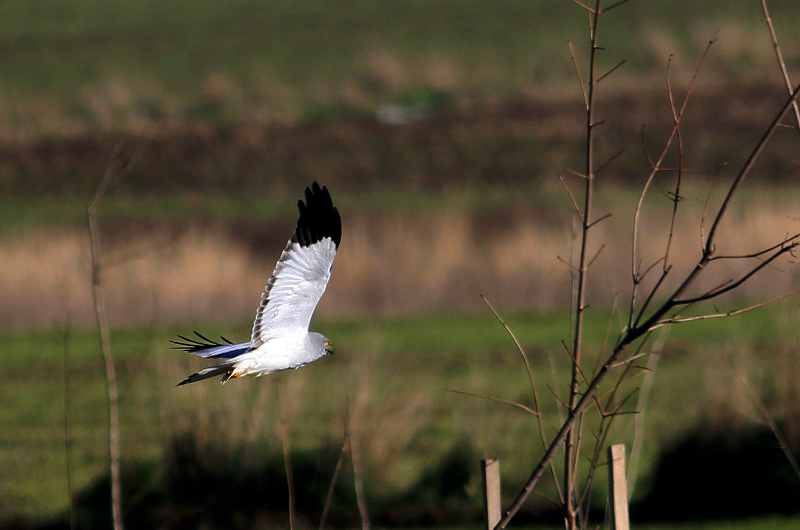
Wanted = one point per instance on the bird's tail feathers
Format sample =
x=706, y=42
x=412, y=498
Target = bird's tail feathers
x=223, y=369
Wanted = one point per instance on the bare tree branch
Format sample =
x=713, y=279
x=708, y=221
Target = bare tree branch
x=656, y=167
x=679, y=319
x=758, y=253
x=571, y=439
x=734, y=284
x=781, y=63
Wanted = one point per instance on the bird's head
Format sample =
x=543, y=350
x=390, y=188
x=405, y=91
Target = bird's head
x=319, y=344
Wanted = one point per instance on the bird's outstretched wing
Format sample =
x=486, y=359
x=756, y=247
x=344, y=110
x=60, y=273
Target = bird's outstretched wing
x=303, y=270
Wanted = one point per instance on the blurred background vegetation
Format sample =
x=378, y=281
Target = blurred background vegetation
x=439, y=128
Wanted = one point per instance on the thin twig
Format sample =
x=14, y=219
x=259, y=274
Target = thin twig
x=571, y=197
x=607, y=163
x=609, y=72
x=679, y=319
x=337, y=469
x=67, y=442
x=287, y=459
x=781, y=63
x=589, y=9
x=651, y=295
x=644, y=396
x=355, y=460
x=748, y=165
x=677, y=193
x=775, y=431
x=520, y=349
x=635, y=261
x=355, y=457
x=758, y=253
x=599, y=220
x=597, y=254
x=711, y=188
x=734, y=284
x=578, y=73
x=496, y=400
x=554, y=377
x=606, y=421
x=568, y=264
x=576, y=173
x=629, y=360
x=612, y=6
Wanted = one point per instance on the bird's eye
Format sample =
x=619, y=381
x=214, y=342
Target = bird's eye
x=327, y=343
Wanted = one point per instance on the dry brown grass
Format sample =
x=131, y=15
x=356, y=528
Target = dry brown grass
x=388, y=264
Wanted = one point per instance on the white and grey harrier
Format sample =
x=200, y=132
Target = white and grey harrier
x=281, y=339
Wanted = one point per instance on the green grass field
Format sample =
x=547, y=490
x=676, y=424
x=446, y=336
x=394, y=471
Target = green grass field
x=73, y=66
x=397, y=373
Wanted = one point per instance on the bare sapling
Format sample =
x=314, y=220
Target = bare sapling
x=116, y=167
x=119, y=164
x=657, y=303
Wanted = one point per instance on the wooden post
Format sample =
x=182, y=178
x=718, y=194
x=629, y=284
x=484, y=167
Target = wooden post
x=618, y=488
x=490, y=471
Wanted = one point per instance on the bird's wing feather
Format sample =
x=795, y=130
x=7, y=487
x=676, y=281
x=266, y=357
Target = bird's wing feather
x=303, y=270
x=210, y=349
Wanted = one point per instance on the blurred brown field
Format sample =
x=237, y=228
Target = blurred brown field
x=522, y=140
x=414, y=239
x=389, y=264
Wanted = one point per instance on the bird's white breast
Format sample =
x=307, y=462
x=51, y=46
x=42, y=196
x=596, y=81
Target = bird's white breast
x=284, y=352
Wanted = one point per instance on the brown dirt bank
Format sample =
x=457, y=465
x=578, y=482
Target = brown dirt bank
x=500, y=142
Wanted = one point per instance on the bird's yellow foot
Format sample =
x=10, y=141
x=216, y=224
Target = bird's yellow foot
x=232, y=373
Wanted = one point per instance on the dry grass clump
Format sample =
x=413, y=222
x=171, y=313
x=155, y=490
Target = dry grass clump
x=388, y=264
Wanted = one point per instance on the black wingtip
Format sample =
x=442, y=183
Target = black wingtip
x=192, y=345
x=319, y=218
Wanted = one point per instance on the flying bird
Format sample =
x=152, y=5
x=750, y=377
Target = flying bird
x=280, y=338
